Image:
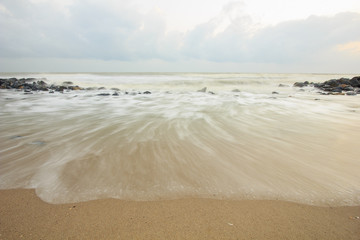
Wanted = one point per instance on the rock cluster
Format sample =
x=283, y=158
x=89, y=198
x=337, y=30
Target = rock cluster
x=340, y=86
x=33, y=84
x=28, y=85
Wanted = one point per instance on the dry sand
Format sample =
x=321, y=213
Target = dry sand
x=24, y=216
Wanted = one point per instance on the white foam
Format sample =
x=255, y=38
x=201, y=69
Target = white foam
x=161, y=146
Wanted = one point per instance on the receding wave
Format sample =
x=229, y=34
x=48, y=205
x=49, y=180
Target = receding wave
x=79, y=146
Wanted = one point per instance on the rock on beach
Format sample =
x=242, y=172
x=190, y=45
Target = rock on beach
x=33, y=84
x=339, y=86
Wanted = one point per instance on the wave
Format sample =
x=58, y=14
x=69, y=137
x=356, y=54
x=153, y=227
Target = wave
x=79, y=146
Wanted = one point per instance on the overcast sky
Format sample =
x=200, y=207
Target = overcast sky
x=188, y=35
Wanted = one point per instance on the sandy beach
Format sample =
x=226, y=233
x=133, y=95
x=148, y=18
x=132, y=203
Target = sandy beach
x=24, y=216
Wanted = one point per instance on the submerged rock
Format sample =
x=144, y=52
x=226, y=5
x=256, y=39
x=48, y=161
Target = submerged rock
x=351, y=93
x=74, y=88
x=203, y=89
x=58, y=88
x=300, y=84
x=334, y=90
x=67, y=83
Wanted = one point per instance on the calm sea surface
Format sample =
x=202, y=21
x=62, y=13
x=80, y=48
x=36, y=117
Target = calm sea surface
x=237, y=140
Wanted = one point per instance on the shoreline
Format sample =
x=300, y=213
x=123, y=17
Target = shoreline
x=24, y=215
x=341, y=86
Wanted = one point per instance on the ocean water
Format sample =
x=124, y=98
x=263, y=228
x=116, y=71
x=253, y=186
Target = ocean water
x=238, y=141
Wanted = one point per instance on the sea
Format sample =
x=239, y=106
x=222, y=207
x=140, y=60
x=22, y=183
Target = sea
x=243, y=137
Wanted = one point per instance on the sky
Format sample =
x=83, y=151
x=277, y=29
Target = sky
x=298, y=36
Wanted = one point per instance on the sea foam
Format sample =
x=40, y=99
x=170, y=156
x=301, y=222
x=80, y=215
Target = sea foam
x=177, y=143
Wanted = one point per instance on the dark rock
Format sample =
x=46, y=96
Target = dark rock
x=212, y=93
x=300, y=84
x=345, y=87
x=41, y=83
x=103, y=94
x=355, y=82
x=283, y=85
x=331, y=83
x=68, y=83
x=327, y=87
x=344, y=81
x=115, y=94
x=147, y=92
x=337, y=86
x=115, y=89
x=101, y=88
x=60, y=88
x=338, y=89
x=203, y=89
x=236, y=90
x=275, y=93
x=74, y=88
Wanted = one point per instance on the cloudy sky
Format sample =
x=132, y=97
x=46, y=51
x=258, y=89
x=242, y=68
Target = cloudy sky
x=188, y=35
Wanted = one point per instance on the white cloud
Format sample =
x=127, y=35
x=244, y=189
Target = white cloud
x=4, y=11
x=292, y=41
x=352, y=48
x=119, y=31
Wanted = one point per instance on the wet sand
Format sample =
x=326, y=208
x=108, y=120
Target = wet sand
x=24, y=216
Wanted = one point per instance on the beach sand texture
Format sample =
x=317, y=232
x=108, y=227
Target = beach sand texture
x=24, y=216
